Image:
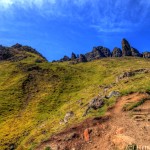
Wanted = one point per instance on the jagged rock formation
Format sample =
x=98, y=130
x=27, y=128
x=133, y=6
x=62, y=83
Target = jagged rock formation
x=98, y=52
x=106, y=52
x=73, y=56
x=126, y=49
x=146, y=54
x=102, y=52
x=116, y=52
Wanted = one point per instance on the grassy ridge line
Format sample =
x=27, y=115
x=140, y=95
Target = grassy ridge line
x=59, y=89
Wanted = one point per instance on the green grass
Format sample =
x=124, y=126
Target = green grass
x=31, y=113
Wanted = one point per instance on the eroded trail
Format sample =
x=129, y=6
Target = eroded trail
x=117, y=129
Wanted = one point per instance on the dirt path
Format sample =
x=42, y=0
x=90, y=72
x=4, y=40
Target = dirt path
x=117, y=129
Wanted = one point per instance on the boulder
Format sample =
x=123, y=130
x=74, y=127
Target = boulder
x=73, y=56
x=95, y=103
x=135, y=52
x=146, y=54
x=82, y=58
x=126, y=49
x=116, y=52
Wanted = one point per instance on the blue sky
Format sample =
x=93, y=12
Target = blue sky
x=59, y=27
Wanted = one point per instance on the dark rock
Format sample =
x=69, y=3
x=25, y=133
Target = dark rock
x=126, y=74
x=135, y=52
x=95, y=103
x=106, y=52
x=5, y=53
x=65, y=58
x=146, y=54
x=116, y=52
x=17, y=45
x=82, y=58
x=126, y=49
x=73, y=56
x=97, y=53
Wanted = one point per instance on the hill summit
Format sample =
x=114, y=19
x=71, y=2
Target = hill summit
x=18, y=52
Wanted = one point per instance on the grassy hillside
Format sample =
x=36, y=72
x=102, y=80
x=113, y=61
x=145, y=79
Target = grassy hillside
x=34, y=97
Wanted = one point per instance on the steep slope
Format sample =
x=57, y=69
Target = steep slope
x=35, y=97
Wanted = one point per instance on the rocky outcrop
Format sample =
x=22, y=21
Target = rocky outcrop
x=131, y=73
x=106, y=52
x=82, y=58
x=65, y=58
x=116, y=52
x=95, y=103
x=73, y=56
x=126, y=49
x=135, y=52
x=97, y=53
x=103, y=52
x=146, y=54
x=17, y=52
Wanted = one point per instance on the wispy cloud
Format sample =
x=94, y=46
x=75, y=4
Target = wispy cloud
x=102, y=15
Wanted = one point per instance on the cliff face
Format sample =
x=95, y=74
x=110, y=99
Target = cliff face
x=103, y=52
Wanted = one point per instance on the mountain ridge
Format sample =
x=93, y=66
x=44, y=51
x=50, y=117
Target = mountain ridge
x=103, y=52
